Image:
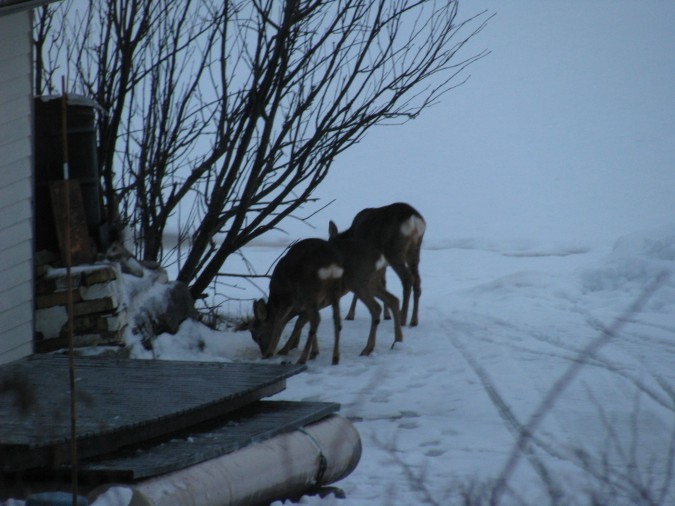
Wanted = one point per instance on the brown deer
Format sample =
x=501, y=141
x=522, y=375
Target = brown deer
x=397, y=231
x=364, y=268
x=307, y=278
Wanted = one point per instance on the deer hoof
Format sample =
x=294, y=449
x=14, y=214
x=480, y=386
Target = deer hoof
x=366, y=352
x=336, y=360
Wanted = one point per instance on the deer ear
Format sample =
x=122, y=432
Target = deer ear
x=332, y=229
x=260, y=309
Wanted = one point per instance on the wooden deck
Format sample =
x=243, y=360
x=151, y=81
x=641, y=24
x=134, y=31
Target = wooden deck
x=126, y=403
x=257, y=422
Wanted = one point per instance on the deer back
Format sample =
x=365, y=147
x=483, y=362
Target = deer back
x=363, y=262
x=390, y=228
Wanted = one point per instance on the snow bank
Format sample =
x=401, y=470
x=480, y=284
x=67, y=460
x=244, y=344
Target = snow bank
x=637, y=262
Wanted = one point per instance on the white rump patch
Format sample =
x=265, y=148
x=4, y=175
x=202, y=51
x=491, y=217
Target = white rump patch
x=413, y=226
x=381, y=263
x=333, y=271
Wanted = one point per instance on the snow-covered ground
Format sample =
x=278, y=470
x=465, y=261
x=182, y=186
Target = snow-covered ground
x=500, y=323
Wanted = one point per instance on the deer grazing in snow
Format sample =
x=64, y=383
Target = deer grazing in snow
x=364, y=268
x=397, y=231
x=307, y=278
x=362, y=272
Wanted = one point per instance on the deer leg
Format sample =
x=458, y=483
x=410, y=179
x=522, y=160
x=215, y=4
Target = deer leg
x=352, y=309
x=294, y=339
x=336, y=328
x=311, y=345
x=375, y=311
x=406, y=281
x=314, y=352
x=277, y=328
x=413, y=263
x=276, y=334
x=390, y=301
x=387, y=314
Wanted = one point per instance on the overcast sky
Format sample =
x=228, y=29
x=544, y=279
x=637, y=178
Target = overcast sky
x=565, y=131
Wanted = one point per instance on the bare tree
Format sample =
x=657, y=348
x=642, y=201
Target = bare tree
x=236, y=110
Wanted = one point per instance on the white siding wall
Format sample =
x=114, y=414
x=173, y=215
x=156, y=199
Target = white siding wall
x=16, y=183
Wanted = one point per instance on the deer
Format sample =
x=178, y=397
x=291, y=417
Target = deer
x=364, y=272
x=397, y=231
x=306, y=279
x=364, y=268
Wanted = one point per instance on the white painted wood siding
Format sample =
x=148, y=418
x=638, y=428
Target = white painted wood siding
x=16, y=187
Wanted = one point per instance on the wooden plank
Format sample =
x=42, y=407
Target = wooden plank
x=254, y=423
x=119, y=402
x=15, y=171
x=19, y=151
x=14, y=32
x=12, y=215
x=16, y=342
x=14, y=317
x=15, y=174
x=15, y=191
x=16, y=271
x=80, y=246
x=15, y=125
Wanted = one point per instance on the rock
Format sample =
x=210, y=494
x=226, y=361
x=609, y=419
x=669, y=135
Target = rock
x=164, y=310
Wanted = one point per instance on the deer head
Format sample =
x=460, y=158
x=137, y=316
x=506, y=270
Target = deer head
x=261, y=327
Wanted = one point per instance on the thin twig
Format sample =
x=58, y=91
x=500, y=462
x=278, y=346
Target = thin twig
x=233, y=275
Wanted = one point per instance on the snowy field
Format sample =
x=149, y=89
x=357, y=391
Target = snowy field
x=500, y=323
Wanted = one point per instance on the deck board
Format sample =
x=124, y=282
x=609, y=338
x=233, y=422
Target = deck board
x=257, y=422
x=119, y=402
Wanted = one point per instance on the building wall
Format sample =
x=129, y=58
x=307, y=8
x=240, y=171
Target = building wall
x=16, y=187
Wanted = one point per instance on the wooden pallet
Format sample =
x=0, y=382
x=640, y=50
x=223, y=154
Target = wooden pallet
x=120, y=402
x=257, y=422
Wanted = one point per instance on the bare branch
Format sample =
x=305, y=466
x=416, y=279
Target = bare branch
x=238, y=109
